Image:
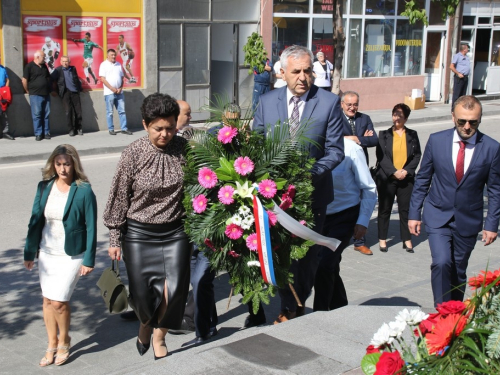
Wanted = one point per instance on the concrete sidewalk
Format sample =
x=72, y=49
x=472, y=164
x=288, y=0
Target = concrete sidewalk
x=27, y=149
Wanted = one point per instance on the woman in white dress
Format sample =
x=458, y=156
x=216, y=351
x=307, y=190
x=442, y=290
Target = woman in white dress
x=62, y=231
x=322, y=72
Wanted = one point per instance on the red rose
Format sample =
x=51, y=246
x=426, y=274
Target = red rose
x=427, y=324
x=371, y=349
x=450, y=307
x=389, y=363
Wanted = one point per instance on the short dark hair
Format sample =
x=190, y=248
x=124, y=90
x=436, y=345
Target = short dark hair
x=121, y=35
x=159, y=106
x=110, y=50
x=468, y=102
x=87, y=34
x=402, y=106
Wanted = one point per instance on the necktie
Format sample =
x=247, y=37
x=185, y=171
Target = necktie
x=294, y=119
x=459, y=170
x=353, y=125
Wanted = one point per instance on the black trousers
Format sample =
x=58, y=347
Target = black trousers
x=459, y=87
x=329, y=290
x=72, y=109
x=387, y=190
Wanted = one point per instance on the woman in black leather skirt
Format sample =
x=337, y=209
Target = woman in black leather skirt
x=144, y=216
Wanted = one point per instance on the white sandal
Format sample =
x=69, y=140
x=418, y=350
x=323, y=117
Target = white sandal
x=44, y=362
x=64, y=356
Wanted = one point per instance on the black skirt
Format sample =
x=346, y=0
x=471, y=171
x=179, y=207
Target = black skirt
x=152, y=254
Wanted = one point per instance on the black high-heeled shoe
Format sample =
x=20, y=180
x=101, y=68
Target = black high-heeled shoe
x=408, y=249
x=383, y=249
x=142, y=348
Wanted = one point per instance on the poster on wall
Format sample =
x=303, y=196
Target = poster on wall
x=43, y=33
x=124, y=36
x=84, y=37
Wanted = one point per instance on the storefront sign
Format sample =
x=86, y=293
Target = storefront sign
x=409, y=42
x=377, y=47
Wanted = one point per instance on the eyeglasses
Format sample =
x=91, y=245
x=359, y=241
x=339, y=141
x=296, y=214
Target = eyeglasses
x=473, y=123
x=355, y=105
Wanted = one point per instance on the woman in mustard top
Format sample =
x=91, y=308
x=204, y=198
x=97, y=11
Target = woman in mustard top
x=398, y=155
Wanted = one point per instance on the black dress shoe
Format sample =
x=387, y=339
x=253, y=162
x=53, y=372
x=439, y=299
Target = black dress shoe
x=408, y=249
x=80, y=132
x=72, y=133
x=126, y=132
x=383, y=249
x=142, y=348
x=38, y=138
x=129, y=315
x=8, y=136
x=183, y=330
x=254, y=321
x=47, y=136
x=201, y=339
x=112, y=132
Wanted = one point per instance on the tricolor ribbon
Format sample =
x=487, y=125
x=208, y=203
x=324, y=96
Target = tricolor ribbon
x=264, y=242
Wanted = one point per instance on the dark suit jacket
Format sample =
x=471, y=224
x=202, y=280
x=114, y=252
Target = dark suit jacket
x=385, y=162
x=362, y=123
x=80, y=222
x=323, y=114
x=436, y=183
x=57, y=76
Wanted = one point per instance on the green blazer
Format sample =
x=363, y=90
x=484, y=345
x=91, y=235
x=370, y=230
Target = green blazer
x=80, y=222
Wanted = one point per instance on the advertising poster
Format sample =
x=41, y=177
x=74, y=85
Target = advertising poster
x=84, y=37
x=43, y=33
x=124, y=36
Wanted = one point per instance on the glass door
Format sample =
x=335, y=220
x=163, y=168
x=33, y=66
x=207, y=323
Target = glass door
x=434, y=65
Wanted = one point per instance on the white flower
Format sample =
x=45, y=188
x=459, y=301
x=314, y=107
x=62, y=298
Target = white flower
x=382, y=337
x=247, y=222
x=396, y=328
x=253, y=263
x=413, y=317
x=236, y=219
x=244, y=190
x=244, y=211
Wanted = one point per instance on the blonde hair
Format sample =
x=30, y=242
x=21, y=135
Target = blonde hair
x=49, y=171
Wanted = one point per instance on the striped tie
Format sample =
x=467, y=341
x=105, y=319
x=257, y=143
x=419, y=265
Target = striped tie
x=353, y=125
x=294, y=119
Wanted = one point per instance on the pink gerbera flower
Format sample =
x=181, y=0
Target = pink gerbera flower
x=286, y=202
x=226, y=194
x=267, y=188
x=200, y=203
x=207, y=178
x=226, y=134
x=291, y=191
x=234, y=231
x=252, y=242
x=273, y=219
x=243, y=165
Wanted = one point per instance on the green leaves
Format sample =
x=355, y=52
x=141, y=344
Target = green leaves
x=255, y=53
x=414, y=13
x=369, y=363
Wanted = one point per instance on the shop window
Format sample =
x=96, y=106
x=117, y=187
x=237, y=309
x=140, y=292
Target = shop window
x=408, y=50
x=241, y=10
x=356, y=6
x=196, y=63
x=495, y=49
x=322, y=38
x=377, y=53
x=484, y=20
x=245, y=30
x=352, y=66
x=290, y=6
x=169, y=45
x=496, y=20
x=326, y=7
x=177, y=10
x=380, y=7
x=436, y=14
x=287, y=32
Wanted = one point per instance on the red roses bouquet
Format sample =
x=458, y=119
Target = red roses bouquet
x=460, y=338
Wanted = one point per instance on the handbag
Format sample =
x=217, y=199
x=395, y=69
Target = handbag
x=113, y=291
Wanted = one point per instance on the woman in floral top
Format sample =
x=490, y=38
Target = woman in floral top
x=144, y=216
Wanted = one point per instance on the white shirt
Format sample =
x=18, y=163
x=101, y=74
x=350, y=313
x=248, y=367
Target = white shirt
x=352, y=179
x=113, y=73
x=280, y=82
x=301, y=103
x=322, y=77
x=469, y=150
x=53, y=234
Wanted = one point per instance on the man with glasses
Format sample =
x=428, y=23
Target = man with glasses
x=460, y=65
x=358, y=127
x=456, y=166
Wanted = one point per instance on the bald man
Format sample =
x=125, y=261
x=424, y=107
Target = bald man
x=183, y=119
x=36, y=79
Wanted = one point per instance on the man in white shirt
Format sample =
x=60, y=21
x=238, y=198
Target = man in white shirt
x=347, y=216
x=111, y=74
